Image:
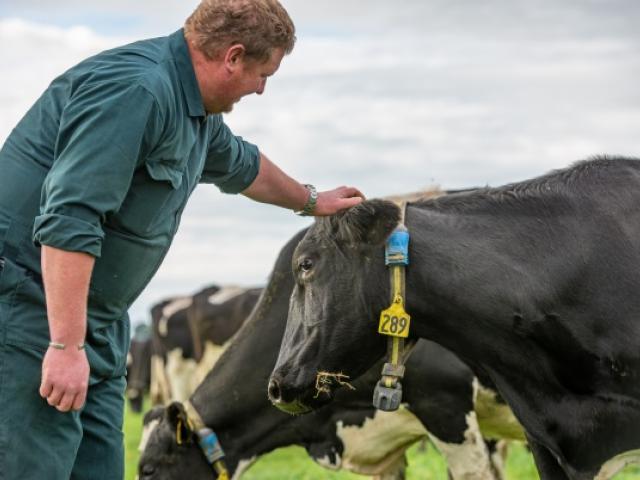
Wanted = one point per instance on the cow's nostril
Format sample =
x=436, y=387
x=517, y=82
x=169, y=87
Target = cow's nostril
x=274, y=391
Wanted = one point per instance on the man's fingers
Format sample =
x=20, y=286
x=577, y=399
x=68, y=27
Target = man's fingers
x=54, y=397
x=351, y=192
x=45, y=388
x=66, y=402
x=350, y=202
x=341, y=198
x=78, y=402
x=65, y=377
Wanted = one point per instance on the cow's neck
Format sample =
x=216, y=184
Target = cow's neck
x=467, y=293
x=227, y=399
x=456, y=282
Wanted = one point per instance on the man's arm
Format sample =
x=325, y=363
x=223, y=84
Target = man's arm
x=274, y=186
x=65, y=373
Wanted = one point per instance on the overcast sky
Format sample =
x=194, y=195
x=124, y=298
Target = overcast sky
x=387, y=96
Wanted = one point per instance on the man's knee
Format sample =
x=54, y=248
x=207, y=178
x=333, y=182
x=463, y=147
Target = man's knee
x=101, y=453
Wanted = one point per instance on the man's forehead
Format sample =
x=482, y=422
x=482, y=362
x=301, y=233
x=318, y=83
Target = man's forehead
x=270, y=65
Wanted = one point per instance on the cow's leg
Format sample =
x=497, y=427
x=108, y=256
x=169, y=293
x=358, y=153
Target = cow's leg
x=396, y=471
x=469, y=460
x=547, y=465
x=616, y=464
x=135, y=399
x=180, y=372
x=159, y=390
x=498, y=455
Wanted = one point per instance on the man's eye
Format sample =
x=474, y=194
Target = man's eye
x=306, y=265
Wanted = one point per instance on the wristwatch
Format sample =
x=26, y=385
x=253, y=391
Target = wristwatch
x=310, y=206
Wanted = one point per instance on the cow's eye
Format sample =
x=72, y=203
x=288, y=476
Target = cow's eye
x=306, y=265
x=147, y=470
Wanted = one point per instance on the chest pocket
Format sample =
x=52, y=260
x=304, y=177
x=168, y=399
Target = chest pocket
x=157, y=193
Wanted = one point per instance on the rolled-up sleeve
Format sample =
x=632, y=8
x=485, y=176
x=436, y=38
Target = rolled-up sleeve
x=232, y=163
x=104, y=132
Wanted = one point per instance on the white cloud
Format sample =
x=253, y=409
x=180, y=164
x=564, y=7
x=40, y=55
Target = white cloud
x=454, y=93
x=33, y=54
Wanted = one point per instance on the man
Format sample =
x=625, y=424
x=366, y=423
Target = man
x=92, y=184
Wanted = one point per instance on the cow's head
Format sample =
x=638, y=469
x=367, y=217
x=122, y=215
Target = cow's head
x=169, y=447
x=331, y=330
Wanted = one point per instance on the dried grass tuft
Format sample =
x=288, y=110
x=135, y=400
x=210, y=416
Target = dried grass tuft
x=324, y=380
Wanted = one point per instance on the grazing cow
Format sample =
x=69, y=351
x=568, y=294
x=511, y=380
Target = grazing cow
x=172, y=364
x=139, y=367
x=439, y=392
x=534, y=284
x=216, y=314
x=189, y=335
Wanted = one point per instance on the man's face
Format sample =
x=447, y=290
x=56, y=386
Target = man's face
x=250, y=77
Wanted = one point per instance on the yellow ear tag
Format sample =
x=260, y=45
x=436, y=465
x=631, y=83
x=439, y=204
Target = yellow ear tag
x=394, y=321
x=179, y=432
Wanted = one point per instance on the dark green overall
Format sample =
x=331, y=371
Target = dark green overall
x=103, y=163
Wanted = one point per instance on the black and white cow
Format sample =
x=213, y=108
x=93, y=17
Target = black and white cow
x=172, y=364
x=533, y=284
x=440, y=392
x=215, y=315
x=189, y=335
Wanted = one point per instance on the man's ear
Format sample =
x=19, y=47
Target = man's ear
x=234, y=56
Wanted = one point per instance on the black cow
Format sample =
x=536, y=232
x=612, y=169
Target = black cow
x=439, y=391
x=139, y=367
x=534, y=284
x=216, y=314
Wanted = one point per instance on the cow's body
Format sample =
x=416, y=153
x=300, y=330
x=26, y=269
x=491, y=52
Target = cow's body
x=139, y=367
x=172, y=363
x=533, y=284
x=189, y=334
x=216, y=314
x=440, y=392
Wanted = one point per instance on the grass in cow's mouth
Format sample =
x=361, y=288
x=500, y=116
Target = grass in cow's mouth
x=293, y=408
x=324, y=380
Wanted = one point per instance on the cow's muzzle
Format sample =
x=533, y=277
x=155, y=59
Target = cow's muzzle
x=293, y=407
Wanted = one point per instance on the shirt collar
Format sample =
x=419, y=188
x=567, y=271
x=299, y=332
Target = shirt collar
x=186, y=74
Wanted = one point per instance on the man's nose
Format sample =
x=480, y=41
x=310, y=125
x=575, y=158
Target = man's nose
x=261, y=87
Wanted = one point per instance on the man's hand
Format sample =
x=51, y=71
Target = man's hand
x=65, y=378
x=274, y=186
x=332, y=201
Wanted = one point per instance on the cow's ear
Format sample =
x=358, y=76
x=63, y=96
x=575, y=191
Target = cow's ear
x=370, y=222
x=154, y=414
x=179, y=423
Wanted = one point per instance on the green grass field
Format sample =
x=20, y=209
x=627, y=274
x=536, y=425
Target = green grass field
x=292, y=463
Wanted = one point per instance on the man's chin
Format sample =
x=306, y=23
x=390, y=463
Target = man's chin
x=220, y=109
